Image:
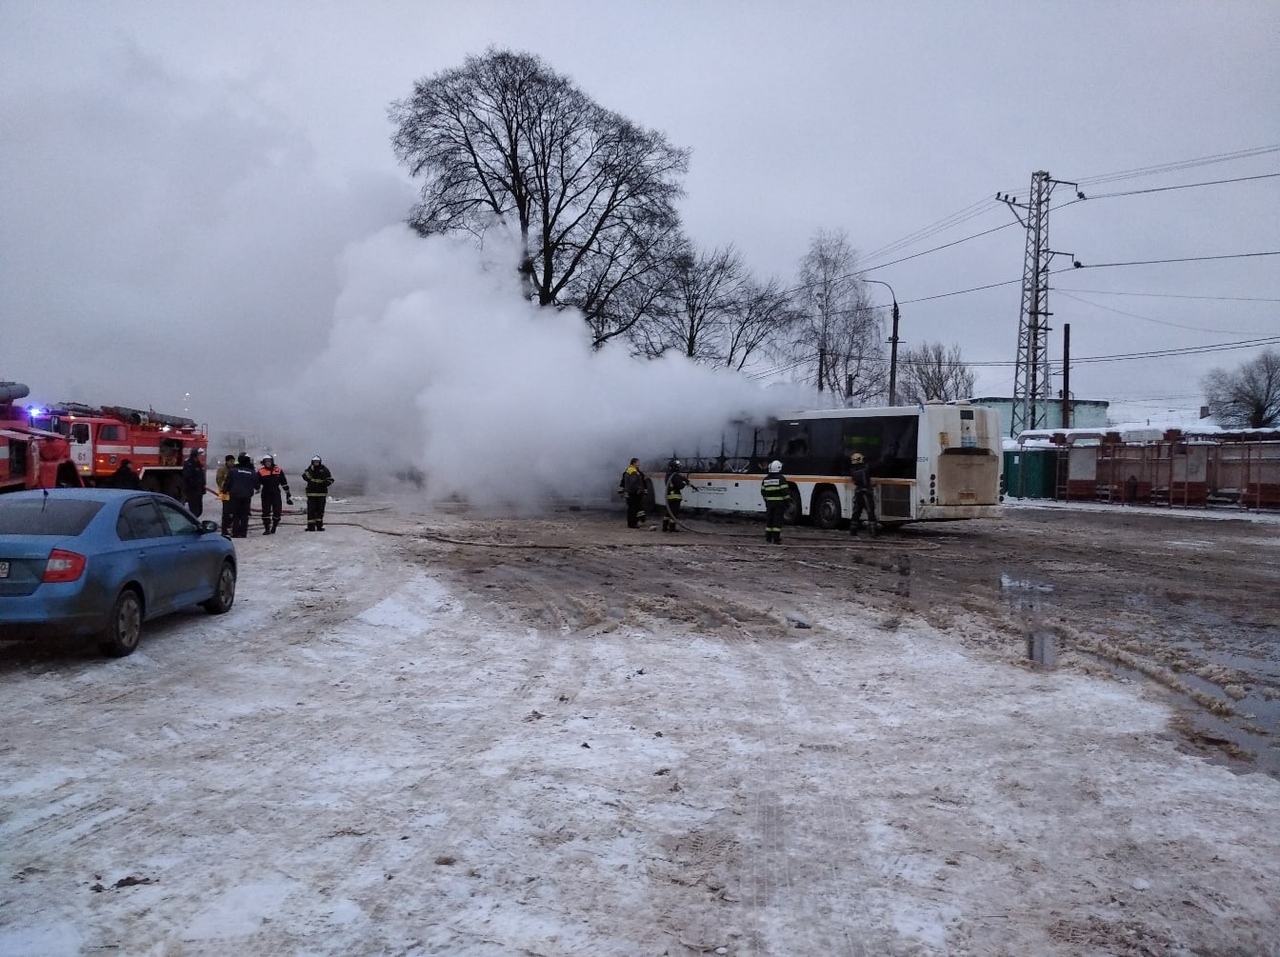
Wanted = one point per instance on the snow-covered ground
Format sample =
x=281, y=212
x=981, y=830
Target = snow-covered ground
x=1219, y=513
x=367, y=757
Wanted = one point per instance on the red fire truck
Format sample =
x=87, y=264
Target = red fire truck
x=30, y=457
x=102, y=437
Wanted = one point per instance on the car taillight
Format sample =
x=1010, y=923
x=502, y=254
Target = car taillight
x=63, y=566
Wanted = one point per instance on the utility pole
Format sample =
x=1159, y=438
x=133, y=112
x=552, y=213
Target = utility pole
x=1031, y=386
x=893, y=341
x=1066, y=375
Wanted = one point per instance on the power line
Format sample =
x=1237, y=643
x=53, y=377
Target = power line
x=1186, y=351
x=1056, y=272
x=961, y=292
x=925, y=252
x=1180, y=165
x=1163, y=189
x=1188, y=259
x=985, y=205
x=955, y=219
x=1004, y=363
x=1134, y=315
x=1167, y=295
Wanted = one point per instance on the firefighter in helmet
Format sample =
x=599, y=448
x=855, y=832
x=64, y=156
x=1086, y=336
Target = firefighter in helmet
x=632, y=487
x=318, y=479
x=220, y=481
x=776, y=492
x=193, y=481
x=675, y=483
x=241, y=483
x=863, y=498
x=273, y=482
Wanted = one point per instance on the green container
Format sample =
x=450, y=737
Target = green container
x=1031, y=473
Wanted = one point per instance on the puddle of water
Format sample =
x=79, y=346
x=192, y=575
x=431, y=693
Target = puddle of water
x=1221, y=740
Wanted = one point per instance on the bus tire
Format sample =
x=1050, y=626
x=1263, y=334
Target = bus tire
x=795, y=511
x=825, y=511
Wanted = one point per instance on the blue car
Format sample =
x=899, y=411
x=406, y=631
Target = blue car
x=99, y=562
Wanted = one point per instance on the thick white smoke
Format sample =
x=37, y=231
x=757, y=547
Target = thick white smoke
x=436, y=366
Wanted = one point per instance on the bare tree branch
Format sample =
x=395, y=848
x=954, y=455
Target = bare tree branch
x=839, y=337
x=1249, y=397
x=933, y=371
x=505, y=141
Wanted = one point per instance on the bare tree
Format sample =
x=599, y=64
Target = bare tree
x=932, y=371
x=705, y=288
x=759, y=322
x=839, y=335
x=1249, y=397
x=504, y=140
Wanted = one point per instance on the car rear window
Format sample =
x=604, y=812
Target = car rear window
x=50, y=516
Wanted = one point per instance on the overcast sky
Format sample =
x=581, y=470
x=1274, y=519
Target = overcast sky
x=186, y=188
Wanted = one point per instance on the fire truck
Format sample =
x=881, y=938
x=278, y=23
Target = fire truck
x=30, y=457
x=102, y=437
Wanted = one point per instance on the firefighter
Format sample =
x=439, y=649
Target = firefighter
x=219, y=481
x=318, y=479
x=632, y=487
x=273, y=481
x=776, y=493
x=125, y=476
x=862, y=495
x=193, y=479
x=676, y=482
x=242, y=481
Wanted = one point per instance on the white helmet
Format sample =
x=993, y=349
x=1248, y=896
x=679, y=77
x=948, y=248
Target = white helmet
x=775, y=466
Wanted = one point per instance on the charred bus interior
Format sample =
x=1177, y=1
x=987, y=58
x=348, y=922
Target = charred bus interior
x=817, y=446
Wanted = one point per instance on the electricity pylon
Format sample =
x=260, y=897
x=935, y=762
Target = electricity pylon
x=1031, y=383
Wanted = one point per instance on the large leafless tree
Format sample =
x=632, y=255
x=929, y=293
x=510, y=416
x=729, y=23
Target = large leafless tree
x=839, y=337
x=505, y=141
x=933, y=371
x=1248, y=397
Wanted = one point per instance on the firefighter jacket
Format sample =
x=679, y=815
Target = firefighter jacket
x=193, y=476
x=272, y=481
x=241, y=482
x=633, y=482
x=318, y=479
x=125, y=477
x=220, y=479
x=861, y=476
x=774, y=488
x=676, y=483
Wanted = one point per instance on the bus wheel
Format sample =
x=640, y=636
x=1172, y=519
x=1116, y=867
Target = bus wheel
x=795, y=511
x=826, y=509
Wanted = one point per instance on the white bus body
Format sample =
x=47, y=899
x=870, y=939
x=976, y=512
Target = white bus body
x=939, y=462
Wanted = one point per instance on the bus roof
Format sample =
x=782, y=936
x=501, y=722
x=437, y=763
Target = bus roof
x=868, y=413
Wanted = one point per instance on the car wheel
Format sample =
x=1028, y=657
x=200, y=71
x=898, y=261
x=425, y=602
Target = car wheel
x=826, y=509
x=224, y=595
x=124, y=628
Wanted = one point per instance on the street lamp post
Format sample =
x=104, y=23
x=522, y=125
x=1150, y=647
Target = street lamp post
x=893, y=344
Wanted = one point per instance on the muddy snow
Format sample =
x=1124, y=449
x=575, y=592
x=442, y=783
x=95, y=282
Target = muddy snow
x=445, y=733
